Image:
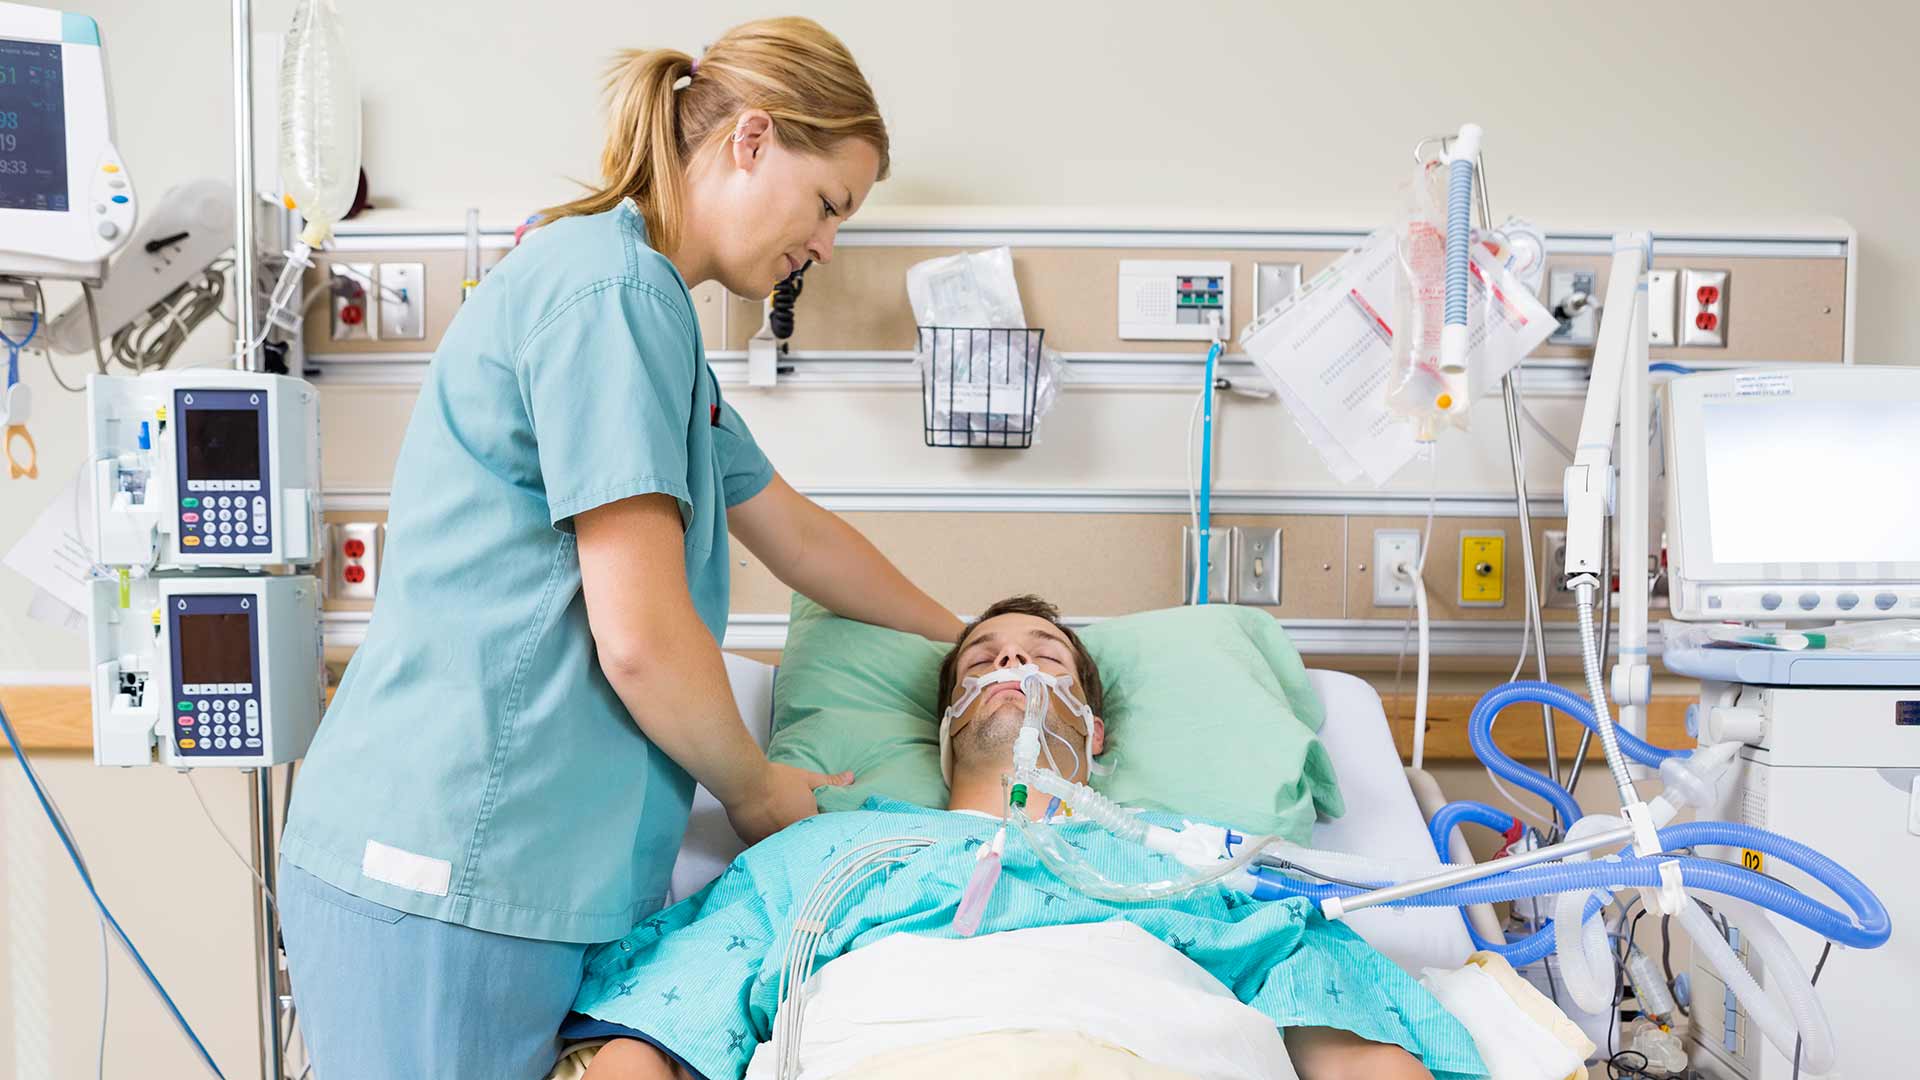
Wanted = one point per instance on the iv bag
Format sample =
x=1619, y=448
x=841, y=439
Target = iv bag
x=319, y=120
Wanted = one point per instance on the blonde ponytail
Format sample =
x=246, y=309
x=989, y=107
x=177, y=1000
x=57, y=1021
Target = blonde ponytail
x=791, y=68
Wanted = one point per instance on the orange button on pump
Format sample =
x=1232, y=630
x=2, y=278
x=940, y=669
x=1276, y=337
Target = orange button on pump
x=186, y=744
x=109, y=167
x=189, y=541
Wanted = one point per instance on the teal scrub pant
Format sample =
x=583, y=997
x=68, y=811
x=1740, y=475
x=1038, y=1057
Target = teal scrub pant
x=382, y=994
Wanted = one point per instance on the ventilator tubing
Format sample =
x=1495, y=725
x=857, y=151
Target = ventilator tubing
x=1069, y=866
x=1802, y=1017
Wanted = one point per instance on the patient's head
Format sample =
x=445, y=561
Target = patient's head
x=1016, y=631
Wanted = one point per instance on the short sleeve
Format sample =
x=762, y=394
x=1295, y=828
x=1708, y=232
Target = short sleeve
x=744, y=468
x=608, y=380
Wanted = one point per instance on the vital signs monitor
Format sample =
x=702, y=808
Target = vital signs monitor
x=66, y=202
x=1791, y=494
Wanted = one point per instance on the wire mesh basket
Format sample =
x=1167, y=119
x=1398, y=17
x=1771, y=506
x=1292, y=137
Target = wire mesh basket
x=979, y=386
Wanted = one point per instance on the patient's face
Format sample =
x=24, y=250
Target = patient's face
x=993, y=720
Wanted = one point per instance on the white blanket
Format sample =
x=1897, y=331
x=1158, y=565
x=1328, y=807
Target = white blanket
x=1110, y=982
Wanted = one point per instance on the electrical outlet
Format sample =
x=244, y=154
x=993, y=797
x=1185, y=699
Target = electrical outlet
x=354, y=314
x=403, y=301
x=1553, y=571
x=1256, y=579
x=1703, y=308
x=1393, y=548
x=354, y=568
x=1219, y=565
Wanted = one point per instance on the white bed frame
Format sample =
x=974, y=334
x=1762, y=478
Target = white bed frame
x=1381, y=820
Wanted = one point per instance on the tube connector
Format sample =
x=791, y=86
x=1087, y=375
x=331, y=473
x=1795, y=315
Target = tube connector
x=1198, y=844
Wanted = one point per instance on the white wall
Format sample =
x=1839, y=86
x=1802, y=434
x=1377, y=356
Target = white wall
x=1610, y=116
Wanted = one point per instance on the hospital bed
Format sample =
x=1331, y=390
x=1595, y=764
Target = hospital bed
x=1382, y=819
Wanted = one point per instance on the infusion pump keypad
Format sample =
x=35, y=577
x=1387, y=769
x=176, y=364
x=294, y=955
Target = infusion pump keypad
x=214, y=637
x=221, y=446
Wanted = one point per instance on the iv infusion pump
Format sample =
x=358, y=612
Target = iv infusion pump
x=191, y=670
x=203, y=479
x=204, y=468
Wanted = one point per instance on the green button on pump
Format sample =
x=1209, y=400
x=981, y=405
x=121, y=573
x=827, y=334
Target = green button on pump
x=185, y=706
x=189, y=502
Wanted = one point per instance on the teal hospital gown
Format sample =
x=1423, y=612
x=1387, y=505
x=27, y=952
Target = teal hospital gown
x=701, y=979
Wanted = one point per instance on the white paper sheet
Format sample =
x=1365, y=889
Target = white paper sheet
x=53, y=554
x=1329, y=353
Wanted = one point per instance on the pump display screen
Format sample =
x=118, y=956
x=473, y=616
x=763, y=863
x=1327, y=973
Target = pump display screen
x=216, y=648
x=223, y=444
x=33, y=127
x=1806, y=481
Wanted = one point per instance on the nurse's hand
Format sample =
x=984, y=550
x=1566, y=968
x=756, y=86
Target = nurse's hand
x=783, y=796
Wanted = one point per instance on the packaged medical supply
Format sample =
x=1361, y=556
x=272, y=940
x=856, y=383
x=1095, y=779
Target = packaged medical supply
x=980, y=387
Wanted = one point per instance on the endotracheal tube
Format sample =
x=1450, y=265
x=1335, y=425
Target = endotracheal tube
x=1211, y=850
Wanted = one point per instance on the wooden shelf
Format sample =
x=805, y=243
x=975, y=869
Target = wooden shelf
x=55, y=718
x=1520, y=732
x=49, y=717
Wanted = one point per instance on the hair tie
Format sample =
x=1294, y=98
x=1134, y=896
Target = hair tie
x=694, y=68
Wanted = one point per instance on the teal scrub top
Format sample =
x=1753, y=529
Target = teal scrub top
x=476, y=766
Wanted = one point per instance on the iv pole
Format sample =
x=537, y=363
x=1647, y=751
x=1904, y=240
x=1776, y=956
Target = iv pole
x=266, y=922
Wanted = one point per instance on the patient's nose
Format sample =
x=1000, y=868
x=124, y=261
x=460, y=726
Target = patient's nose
x=1010, y=657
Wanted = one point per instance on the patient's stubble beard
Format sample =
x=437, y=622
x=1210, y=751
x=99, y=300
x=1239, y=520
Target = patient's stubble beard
x=988, y=741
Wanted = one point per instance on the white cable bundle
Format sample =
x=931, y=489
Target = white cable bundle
x=803, y=943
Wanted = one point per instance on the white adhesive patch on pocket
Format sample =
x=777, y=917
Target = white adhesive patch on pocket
x=416, y=873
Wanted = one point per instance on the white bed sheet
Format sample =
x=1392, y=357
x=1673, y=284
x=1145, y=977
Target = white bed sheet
x=1382, y=818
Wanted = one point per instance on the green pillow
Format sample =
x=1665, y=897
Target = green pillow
x=1209, y=713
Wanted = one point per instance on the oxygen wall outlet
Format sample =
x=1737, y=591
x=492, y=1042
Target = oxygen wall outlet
x=1393, y=548
x=1483, y=568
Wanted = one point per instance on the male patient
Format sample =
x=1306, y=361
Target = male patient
x=692, y=991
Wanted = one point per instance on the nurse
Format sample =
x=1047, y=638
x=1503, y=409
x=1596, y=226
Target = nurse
x=504, y=775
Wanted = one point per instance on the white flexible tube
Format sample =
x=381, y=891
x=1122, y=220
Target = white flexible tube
x=1817, y=1051
x=1421, y=680
x=1586, y=964
x=1085, y=802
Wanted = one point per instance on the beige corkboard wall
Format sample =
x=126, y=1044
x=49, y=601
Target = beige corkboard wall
x=1778, y=308
x=1101, y=565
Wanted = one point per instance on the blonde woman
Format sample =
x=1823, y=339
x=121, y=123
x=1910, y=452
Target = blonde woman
x=504, y=775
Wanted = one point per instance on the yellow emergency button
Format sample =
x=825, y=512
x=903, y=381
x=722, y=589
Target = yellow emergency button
x=109, y=168
x=189, y=541
x=186, y=744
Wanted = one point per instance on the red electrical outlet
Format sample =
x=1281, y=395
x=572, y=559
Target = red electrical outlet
x=356, y=559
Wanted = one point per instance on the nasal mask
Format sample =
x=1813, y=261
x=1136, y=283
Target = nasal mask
x=1037, y=686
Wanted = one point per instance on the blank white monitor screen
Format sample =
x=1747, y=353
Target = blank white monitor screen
x=1803, y=481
